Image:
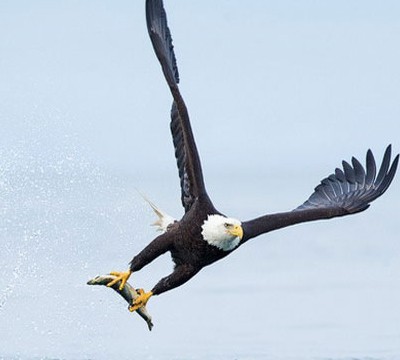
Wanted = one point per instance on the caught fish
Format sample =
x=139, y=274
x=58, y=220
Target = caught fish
x=128, y=292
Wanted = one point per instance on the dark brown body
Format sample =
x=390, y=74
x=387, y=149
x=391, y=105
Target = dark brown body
x=189, y=251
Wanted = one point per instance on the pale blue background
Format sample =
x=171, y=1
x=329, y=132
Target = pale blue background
x=279, y=93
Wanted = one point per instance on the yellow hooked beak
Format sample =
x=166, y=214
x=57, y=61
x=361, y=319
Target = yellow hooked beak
x=236, y=230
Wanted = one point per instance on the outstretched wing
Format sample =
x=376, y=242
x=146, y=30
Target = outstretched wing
x=345, y=192
x=188, y=161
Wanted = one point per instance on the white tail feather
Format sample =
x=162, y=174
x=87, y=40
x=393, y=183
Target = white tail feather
x=163, y=219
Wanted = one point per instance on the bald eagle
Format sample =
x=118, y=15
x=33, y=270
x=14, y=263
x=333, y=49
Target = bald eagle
x=204, y=235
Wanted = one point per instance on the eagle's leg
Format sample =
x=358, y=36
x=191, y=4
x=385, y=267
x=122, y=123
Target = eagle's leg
x=157, y=247
x=180, y=275
x=141, y=300
x=122, y=276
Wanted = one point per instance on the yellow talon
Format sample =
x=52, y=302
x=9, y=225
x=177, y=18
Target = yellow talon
x=141, y=300
x=120, y=276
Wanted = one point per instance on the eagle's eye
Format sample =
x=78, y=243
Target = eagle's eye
x=227, y=225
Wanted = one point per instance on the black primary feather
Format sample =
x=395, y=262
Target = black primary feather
x=160, y=36
x=357, y=187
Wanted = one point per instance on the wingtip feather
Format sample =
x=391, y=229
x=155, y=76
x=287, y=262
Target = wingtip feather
x=354, y=188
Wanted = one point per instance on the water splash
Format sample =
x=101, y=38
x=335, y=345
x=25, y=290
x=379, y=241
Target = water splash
x=59, y=212
x=14, y=279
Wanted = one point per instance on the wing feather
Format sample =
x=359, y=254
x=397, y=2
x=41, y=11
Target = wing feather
x=345, y=192
x=188, y=160
x=359, y=172
x=384, y=167
x=371, y=170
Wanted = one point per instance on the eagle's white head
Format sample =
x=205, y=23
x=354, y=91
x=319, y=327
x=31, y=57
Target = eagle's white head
x=222, y=232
